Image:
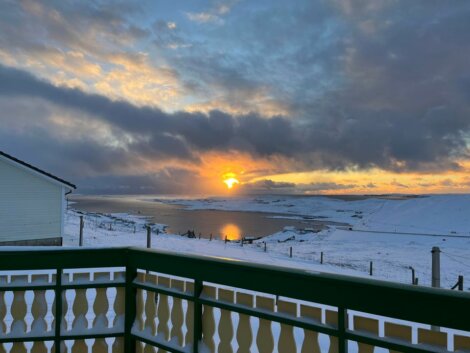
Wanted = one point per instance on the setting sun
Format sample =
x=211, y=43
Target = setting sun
x=230, y=182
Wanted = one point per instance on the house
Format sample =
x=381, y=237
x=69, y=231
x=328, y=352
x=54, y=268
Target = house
x=32, y=204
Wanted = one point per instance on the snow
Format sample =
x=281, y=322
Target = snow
x=394, y=233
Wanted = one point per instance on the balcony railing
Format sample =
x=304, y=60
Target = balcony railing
x=130, y=299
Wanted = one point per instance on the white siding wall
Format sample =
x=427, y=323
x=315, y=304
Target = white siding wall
x=30, y=206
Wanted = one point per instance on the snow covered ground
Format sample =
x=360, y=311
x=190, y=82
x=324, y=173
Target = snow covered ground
x=377, y=235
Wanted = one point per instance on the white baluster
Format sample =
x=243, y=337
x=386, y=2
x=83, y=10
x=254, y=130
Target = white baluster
x=225, y=323
x=264, y=338
x=101, y=304
x=286, y=342
x=163, y=312
x=18, y=308
x=310, y=344
x=39, y=306
x=331, y=318
x=208, y=321
x=244, y=331
x=80, y=307
x=177, y=317
x=189, y=315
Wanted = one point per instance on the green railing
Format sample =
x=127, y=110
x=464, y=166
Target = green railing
x=170, y=301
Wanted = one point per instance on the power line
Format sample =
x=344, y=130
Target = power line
x=462, y=257
x=458, y=261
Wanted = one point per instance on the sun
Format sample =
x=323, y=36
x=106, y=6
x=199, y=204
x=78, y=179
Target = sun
x=230, y=182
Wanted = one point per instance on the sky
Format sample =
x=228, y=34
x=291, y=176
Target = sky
x=174, y=97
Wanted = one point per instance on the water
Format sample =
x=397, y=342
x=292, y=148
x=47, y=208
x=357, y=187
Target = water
x=234, y=225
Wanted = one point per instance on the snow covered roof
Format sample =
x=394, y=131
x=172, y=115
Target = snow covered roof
x=23, y=164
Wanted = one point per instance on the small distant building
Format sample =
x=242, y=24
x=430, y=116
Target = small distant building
x=32, y=204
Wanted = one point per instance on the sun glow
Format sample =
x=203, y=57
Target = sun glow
x=230, y=182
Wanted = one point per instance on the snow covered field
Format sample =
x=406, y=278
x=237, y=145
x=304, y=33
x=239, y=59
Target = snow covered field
x=376, y=224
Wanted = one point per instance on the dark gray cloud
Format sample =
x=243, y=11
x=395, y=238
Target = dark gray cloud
x=387, y=86
x=326, y=186
x=270, y=186
x=180, y=133
x=386, y=139
x=169, y=181
x=88, y=26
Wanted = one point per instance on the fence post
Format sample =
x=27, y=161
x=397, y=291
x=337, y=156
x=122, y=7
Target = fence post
x=149, y=237
x=80, y=240
x=371, y=268
x=290, y=251
x=436, y=267
x=412, y=274
x=321, y=258
x=460, y=282
x=264, y=246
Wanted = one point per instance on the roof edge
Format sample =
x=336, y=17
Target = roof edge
x=40, y=171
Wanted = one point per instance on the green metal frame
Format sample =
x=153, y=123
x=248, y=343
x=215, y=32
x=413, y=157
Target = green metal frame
x=437, y=307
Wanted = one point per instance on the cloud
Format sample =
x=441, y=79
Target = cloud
x=168, y=181
x=270, y=186
x=267, y=185
x=399, y=185
x=326, y=186
x=91, y=45
x=214, y=14
x=315, y=85
x=331, y=143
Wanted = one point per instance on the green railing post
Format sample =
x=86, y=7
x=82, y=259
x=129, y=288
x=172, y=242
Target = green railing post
x=130, y=309
x=342, y=327
x=58, y=309
x=197, y=315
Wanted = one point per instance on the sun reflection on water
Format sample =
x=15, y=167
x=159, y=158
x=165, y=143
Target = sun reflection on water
x=232, y=231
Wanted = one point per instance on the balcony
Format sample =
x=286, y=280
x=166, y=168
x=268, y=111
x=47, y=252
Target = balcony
x=136, y=300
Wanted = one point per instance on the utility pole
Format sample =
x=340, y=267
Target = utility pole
x=149, y=237
x=436, y=267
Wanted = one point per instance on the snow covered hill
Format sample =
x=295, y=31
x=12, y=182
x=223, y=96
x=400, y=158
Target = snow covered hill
x=377, y=235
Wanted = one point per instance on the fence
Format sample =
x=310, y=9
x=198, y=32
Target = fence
x=132, y=300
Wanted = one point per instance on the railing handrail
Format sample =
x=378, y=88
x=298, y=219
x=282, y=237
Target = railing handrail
x=434, y=306
x=427, y=305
